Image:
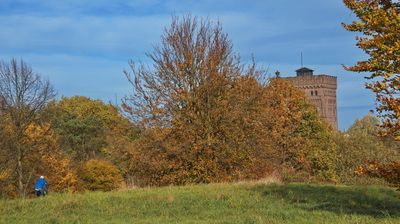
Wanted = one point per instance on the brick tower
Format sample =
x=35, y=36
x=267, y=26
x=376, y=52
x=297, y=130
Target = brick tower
x=320, y=90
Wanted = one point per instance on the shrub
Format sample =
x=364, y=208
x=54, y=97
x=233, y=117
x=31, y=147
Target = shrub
x=361, y=144
x=388, y=171
x=100, y=175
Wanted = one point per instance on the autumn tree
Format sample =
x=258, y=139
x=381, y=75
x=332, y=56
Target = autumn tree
x=45, y=158
x=284, y=104
x=48, y=160
x=6, y=165
x=301, y=140
x=199, y=125
x=206, y=117
x=23, y=95
x=379, y=23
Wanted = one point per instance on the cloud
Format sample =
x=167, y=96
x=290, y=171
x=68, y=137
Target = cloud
x=99, y=78
x=89, y=35
x=83, y=45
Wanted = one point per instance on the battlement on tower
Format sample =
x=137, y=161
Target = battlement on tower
x=319, y=81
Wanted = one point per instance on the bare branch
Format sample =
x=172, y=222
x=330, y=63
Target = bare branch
x=23, y=95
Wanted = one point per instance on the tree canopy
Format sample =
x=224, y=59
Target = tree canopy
x=208, y=117
x=379, y=23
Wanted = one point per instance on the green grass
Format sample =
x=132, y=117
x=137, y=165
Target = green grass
x=216, y=203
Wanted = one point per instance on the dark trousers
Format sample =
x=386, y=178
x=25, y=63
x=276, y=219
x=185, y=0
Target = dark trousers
x=40, y=192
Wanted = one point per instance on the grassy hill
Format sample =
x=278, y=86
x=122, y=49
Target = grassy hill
x=215, y=203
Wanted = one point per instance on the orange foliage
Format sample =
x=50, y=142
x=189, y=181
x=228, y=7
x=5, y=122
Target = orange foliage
x=388, y=171
x=46, y=159
x=207, y=118
x=284, y=106
x=379, y=23
x=202, y=109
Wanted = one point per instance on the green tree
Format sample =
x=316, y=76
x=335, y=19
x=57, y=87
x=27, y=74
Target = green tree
x=361, y=144
x=86, y=126
x=90, y=129
x=80, y=129
x=379, y=23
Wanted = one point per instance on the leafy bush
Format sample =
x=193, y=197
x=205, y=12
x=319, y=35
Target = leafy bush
x=100, y=175
x=389, y=171
x=361, y=144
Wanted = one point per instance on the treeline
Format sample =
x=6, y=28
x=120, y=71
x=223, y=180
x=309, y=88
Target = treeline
x=197, y=115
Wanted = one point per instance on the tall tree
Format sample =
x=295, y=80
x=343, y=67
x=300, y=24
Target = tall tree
x=23, y=95
x=379, y=23
x=209, y=118
x=193, y=102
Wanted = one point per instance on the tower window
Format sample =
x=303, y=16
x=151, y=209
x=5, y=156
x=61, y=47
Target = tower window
x=316, y=92
x=312, y=93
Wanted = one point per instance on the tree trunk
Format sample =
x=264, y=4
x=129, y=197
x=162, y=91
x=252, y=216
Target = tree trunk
x=29, y=180
x=20, y=171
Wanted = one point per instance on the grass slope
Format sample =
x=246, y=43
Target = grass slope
x=216, y=203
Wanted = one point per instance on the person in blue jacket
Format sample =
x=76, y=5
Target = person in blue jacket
x=41, y=187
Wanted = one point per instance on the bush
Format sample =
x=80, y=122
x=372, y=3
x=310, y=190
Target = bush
x=389, y=171
x=360, y=145
x=100, y=175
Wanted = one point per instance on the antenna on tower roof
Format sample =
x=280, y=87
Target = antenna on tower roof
x=301, y=55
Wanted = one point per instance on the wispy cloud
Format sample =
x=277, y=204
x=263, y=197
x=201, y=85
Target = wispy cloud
x=85, y=35
x=83, y=45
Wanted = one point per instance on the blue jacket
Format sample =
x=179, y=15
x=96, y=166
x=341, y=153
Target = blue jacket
x=40, y=184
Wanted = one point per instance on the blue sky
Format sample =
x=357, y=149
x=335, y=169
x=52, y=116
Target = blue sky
x=82, y=46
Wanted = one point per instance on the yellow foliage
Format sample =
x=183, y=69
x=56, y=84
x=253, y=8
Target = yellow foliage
x=100, y=175
x=379, y=22
x=47, y=160
x=4, y=174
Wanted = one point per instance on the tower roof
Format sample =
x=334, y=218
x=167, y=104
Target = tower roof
x=304, y=71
